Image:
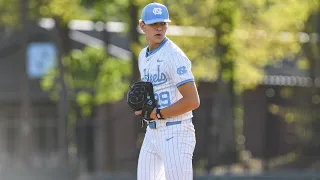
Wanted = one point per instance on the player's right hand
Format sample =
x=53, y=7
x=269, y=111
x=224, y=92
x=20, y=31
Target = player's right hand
x=137, y=113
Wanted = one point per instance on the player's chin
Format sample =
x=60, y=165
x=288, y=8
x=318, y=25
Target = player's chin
x=158, y=38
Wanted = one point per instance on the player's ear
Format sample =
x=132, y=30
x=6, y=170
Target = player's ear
x=142, y=25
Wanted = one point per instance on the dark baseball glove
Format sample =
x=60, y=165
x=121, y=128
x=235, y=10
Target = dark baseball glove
x=141, y=97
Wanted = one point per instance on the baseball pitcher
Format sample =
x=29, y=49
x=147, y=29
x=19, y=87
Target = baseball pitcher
x=164, y=98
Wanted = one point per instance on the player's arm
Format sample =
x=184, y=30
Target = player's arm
x=189, y=101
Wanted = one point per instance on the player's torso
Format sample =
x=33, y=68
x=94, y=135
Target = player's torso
x=155, y=69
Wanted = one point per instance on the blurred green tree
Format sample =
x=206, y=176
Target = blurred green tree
x=245, y=36
x=9, y=13
x=63, y=11
x=92, y=77
x=110, y=74
x=311, y=50
x=94, y=80
x=264, y=32
x=234, y=41
x=223, y=151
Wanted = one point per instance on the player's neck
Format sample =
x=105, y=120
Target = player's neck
x=153, y=46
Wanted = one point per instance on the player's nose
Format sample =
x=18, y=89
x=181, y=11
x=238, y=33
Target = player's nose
x=159, y=28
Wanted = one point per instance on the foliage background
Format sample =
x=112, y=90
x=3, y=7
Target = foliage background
x=231, y=44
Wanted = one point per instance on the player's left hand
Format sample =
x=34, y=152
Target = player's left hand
x=141, y=99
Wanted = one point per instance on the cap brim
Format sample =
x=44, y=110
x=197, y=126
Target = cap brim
x=156, y=20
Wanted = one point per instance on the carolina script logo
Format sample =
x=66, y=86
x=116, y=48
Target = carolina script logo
x=156, y=79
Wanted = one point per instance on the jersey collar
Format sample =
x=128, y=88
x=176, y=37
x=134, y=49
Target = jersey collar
x=157, y=49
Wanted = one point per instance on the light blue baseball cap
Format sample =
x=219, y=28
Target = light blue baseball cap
x=155, y=12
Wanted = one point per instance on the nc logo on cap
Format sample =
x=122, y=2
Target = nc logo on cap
x=157, y=11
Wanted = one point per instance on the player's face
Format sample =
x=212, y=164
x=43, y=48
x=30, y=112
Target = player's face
x=155, y=33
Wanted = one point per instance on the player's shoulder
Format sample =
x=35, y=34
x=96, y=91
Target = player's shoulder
x=142, y=55
x=143, y=52
x=175, y=50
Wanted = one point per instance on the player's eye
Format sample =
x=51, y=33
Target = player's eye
x=157, y=23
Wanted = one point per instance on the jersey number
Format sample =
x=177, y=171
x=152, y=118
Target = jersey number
x=163, y=99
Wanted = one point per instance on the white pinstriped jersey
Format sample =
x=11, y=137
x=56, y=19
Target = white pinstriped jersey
x=167, y=67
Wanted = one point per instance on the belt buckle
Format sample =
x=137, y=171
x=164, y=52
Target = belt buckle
x=152, y=125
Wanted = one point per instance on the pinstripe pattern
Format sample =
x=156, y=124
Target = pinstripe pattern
x=150, y=165
x=172, y=58
x=166, y=153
